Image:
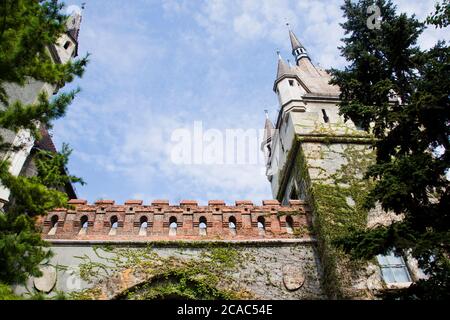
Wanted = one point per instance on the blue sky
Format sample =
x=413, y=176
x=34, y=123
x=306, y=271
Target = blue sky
x=160, y=65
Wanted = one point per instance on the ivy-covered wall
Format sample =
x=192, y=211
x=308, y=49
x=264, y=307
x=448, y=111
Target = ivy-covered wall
x=329, y=171
x=190, y=270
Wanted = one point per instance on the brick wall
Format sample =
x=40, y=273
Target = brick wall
x=127, y=220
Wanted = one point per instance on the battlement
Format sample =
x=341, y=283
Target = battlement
x=134, y=221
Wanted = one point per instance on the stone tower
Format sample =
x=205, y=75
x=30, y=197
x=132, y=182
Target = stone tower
x=65, y=49
x=313, y=154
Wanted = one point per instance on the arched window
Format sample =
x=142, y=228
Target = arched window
x=114, y=225
x=114, y=222
x=261, y=225
x=202, y=226
x=144, y=222
x=143, y=226
x=84, y=225
x=289, y=225
x=173, y=225
x=84, y=222
x=232, y=225
x=67, y=45
x=54, y=225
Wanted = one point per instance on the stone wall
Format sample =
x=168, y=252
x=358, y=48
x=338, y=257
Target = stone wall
x=284, y=269
x=273, y=260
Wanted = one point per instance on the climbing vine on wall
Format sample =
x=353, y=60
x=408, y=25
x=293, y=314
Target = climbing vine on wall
x=205, y=276
x=337, y=201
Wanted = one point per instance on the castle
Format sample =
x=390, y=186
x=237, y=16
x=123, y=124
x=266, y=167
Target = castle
x=281, y=249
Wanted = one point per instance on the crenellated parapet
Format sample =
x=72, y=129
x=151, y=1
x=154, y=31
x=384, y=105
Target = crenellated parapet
x=106, y=221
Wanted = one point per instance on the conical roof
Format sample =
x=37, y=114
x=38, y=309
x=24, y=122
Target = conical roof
x=283, y=68
x=294, y=41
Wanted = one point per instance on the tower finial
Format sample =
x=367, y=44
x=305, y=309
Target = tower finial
x=267, y=113
x=279, y=54
x=298, y=50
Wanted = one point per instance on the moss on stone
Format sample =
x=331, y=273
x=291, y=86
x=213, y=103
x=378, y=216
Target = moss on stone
x=337, y=205
x=202, y=277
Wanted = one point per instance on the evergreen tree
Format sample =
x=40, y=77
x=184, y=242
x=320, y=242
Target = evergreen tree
x=401, y=94
x=27, y=29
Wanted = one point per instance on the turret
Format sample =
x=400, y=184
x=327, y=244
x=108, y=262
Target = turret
x=288, y=86
x=67, y=45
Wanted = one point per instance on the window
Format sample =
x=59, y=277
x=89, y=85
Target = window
x=232, y=225
x=289, y=225
x=359, y=126
x=261, y=225
x=67, y=45
x=114, y=222
x=84, y=225
x=84, y=222
x=325, y=116
x=173, y=225
x=144, y=222
x=393, y=268
x=143, y=226
x=202, y=226
x=294, y=194
x=54, y=226
x=114, y=225
x=291, y=83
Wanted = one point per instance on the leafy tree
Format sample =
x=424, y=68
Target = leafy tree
x=441, y=18
x=401, y=94
x=27, y=29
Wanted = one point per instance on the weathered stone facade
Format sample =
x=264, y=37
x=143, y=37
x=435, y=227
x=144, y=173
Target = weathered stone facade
x=315, y=155
x=283, y=269
x=267, y=252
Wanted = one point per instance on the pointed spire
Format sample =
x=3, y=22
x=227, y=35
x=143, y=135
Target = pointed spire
x=74, y=22
x=283, y=68
x=268, y=128
x=298, y=50
x=295, y=43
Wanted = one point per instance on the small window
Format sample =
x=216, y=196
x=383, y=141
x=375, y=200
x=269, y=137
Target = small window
x=84, y=222
x=144, y=222
x=143, y=226
x=67, y=45
x=294, y=194
x=114, y=222
x=393, y=268
x=291, y=83
x=173, y=225
x=84, y=225
x=54, y=226
x=54, y=221
x=232, y=225
x=202, y=226
x=114, y=225
x=261, y=225
x=289, y=225
x=325, y=116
